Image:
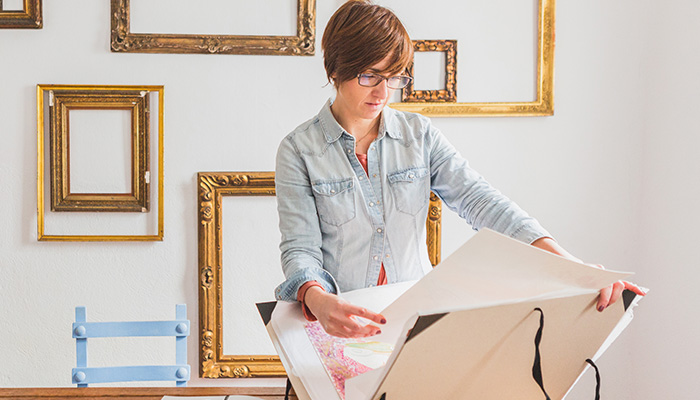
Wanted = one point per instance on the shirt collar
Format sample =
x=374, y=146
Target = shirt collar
x=333, y=131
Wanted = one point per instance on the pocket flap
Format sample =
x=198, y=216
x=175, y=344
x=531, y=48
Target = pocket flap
x=332, y=188
x=408, y=175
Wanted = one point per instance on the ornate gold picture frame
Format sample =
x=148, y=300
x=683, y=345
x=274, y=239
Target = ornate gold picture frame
x=543, y=104
x=212, y=187
x=449, y=93
x=61, y=102
x=62, y=98
x=123, y=40
x=30, y=17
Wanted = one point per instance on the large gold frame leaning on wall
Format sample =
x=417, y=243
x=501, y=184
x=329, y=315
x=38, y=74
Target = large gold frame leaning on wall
x=63, y=101
x=42, y=90
x=212, y=187
x=543, y=105
x=30, y=17
x=300, y=45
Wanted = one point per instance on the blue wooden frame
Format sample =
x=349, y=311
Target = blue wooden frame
x=82, y=375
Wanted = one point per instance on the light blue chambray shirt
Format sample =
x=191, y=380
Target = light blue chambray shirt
x=339, y=224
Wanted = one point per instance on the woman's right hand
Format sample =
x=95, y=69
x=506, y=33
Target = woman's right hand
x=337, y=315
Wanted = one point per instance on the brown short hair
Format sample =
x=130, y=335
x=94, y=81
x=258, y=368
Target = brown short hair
x=361, y=34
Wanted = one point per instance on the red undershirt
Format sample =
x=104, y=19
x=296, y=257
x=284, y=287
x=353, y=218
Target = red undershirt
x=302, y=290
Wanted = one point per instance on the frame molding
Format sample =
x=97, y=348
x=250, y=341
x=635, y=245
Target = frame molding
x=61, y=102
x=212, y=187
x=123, y=40
x=449, y=93
x=213, y=363
x=542, y=106
x=41, y=91
x=29, y=18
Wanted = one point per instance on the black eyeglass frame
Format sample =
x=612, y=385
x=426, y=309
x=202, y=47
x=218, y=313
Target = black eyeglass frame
x=384, y=78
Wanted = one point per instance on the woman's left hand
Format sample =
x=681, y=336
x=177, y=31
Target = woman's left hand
x=609, y=295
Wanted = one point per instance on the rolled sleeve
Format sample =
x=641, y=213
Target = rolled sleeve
x=300, y=245
x=466, y=192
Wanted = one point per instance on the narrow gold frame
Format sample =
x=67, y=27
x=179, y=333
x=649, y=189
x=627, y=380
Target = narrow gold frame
x=212, y=187
x=40, y=94
x=449, y=93
x=542, y=106
x=29, y=18
x=63, y=101
x=302, y=44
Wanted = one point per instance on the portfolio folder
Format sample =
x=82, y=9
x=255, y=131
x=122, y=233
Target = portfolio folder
x=468, y=329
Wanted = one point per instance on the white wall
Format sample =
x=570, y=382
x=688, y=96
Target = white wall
x=611, y=175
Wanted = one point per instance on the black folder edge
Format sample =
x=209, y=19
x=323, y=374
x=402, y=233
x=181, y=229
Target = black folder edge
x=265, y=310
x=423, y=323
x=628, y=297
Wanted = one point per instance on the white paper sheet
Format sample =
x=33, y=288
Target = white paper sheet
x=489, y=270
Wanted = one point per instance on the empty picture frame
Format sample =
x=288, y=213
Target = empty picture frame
x=449, y=93
x=123, y=40
x=60, y=100
x=30, y=17
x=544, y=102
x=212, y=186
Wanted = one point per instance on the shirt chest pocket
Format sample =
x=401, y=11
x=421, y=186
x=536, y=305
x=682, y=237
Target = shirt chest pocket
x=411, y=189
x=335, y=200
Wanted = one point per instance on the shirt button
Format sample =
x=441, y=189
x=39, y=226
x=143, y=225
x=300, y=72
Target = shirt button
x=349, y=151
x=376, y=258
x=371, y=285
x=332, y=190
x=387, y=256
x=371, y=204
x=379, y=230
x=362, y=177
x=372, y=148
x=411, y=176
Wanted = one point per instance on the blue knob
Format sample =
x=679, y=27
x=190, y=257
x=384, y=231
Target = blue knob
x=79, y=330
x=79, y=376
x=181, y=328
x=181, y=373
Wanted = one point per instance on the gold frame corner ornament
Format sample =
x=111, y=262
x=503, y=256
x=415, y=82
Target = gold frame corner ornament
x=542, y=106
x=212, y=186
x=29, y=18
x=302, y=44
x=63, y=97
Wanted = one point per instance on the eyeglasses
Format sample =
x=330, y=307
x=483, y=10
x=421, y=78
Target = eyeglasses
x=394, y=82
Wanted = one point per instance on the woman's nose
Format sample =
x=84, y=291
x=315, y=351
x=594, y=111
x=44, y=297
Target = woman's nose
x=381, y=90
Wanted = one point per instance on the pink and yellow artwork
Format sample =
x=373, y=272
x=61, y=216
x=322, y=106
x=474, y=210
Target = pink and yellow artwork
x=346, y=358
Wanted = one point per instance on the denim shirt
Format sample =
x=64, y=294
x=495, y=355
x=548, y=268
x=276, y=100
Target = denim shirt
x=339, y=224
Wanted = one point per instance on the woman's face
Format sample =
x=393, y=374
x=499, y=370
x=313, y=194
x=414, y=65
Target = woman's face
x=354, y=102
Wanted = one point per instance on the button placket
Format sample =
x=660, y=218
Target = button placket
x=368, y=186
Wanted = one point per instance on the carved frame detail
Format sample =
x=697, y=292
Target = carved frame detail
x=449, y=93
x=542, y=106
x=303, y=44
x=61, y=102
x=29, y=18
x=212, y=186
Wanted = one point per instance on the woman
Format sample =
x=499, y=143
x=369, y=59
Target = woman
x=353, y=183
